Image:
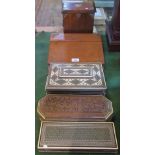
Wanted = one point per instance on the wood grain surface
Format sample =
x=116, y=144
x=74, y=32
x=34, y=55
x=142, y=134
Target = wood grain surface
x=86, y=47
x=48, y=13
x=78, y=17
x=76, y=7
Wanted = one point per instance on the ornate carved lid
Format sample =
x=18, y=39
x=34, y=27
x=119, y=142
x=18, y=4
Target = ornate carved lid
x=75, y=107
x=76, y=77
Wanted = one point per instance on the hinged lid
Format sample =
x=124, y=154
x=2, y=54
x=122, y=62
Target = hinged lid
x=85, y=47
x=76, y=77
x=77, y=136
x=78, y=7
x=77, y=37
x=75, y=108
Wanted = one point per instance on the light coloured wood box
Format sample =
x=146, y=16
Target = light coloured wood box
x=79, y=47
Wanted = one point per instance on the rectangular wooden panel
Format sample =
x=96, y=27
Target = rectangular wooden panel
x=76, y=37
x=65, y=47
x=76, y=77
x=75, y=108
x=77, y=136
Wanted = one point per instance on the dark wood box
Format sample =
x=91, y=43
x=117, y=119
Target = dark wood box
x=78, y=17
x=77, y=137
x=75, y=108
x=79, y=47
x=81, y=78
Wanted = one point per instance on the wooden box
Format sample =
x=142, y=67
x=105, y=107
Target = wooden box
x=77, y=137
x=75, y=48
x=78, y=17
x=75, y=108
x=79, y=78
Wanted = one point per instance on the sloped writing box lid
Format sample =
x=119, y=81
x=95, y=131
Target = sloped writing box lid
x=85, y=47
x=75, y=108
x=78, y=7
x=76, y=77
x=77, y=136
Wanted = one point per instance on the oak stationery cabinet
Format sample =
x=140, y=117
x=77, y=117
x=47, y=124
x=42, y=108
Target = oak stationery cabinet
x=78, y=17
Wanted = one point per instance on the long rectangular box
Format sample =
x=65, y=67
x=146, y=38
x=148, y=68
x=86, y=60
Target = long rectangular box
x=75, y=108
x=80, y=78
x=77, y=137
x=66, y=48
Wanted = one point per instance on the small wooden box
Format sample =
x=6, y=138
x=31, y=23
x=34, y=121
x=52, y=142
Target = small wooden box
x=77, y=137
x=78, y=17
x=79, y=78
x=75, y=48
x=75, y=108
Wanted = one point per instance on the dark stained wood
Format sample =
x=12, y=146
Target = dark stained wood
x=78, y=17
x=86, y=47
x=78, y=7
x=113, y=28
x=75, y=107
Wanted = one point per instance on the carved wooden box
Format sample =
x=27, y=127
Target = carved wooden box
x=75, y=48
x=80, y=78
x=77, y=137
x=75, y=108
x=78, y=17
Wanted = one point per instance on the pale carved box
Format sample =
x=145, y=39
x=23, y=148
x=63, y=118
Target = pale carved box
x=75, y=108
x=81, y=78
x=77, y=137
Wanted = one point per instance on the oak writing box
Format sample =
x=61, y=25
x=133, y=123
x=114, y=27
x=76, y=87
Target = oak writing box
x=75, y=48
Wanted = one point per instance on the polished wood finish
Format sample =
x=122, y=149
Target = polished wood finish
x=75, y=37
x=86, y=47
x=113, y=28
x=78, y=7
x=78, y=17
